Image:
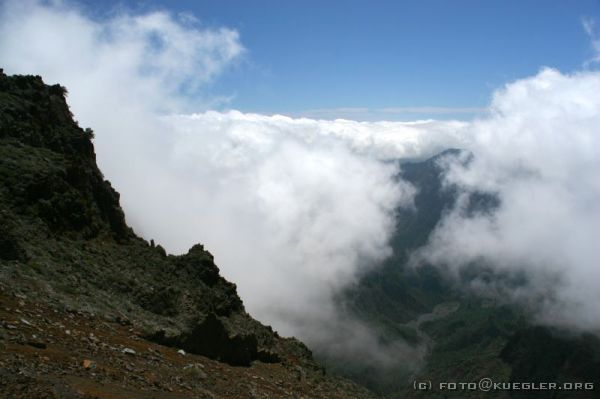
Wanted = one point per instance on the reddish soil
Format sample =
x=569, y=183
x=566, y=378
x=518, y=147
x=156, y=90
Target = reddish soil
x=46, y=353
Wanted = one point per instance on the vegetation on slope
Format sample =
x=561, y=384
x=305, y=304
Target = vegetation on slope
x=485, y=336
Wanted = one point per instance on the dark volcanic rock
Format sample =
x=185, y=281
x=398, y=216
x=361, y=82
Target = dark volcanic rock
x=67, y=191
x=211, y=338
x=10, y=249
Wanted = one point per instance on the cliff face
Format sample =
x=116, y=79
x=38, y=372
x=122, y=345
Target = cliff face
x=65, y=247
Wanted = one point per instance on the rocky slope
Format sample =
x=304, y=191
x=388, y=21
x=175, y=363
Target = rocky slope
x=90, y=310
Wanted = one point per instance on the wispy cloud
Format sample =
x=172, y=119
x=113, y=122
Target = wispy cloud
x=432, y=110
x=590, y=27
x=393, y=113
x=171, y=57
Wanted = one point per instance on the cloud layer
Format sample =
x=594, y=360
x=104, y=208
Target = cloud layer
x=294, y=209
x=539, y=153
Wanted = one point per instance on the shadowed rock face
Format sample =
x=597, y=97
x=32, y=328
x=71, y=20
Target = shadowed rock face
x=209, y=337
x=61, y=180
x=9, y=246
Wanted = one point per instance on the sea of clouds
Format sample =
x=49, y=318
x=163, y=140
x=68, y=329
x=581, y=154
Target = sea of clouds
x=295, y=209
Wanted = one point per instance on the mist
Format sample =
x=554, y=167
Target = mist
x=539, y=154
x=293, y=210
x=296, y=209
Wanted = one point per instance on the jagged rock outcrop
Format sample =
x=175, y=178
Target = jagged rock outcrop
x=60, y=179
x=49, y=174
x=211, y=338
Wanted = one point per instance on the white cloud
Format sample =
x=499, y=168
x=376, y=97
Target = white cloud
x=393, y=113
x=540, y=153
x=293, y=209
x=589, y=25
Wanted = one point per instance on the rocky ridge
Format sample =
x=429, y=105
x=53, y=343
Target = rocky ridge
x=89, y=309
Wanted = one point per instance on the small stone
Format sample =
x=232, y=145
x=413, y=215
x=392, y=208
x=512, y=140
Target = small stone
x=128, y=351
x=37, y=344
x=87, y=363
x=195, y=370
x=122, y=320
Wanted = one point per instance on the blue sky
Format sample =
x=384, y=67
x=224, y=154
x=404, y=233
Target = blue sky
x=334, y=58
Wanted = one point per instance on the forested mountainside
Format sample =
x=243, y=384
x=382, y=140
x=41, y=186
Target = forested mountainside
x=467, y=336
